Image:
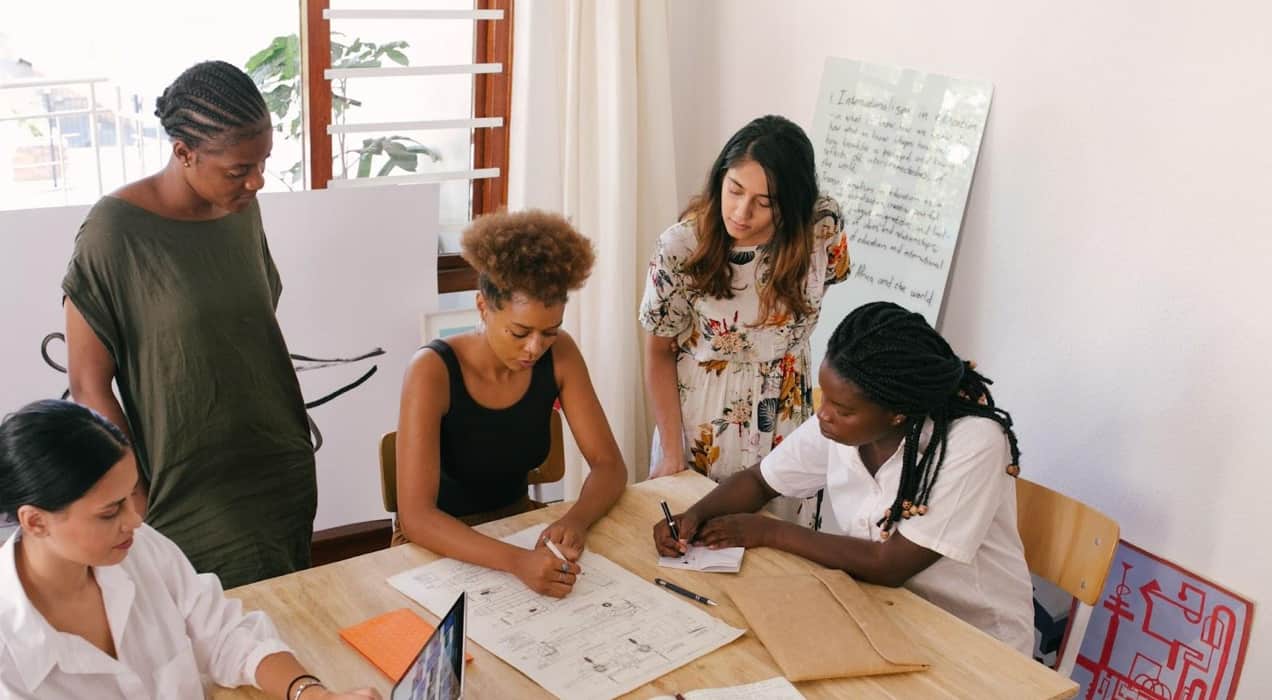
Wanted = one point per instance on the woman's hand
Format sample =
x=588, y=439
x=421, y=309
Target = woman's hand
x=668, y=546
x=668, y=465
x=567, y=535
x=740, y=530
x=544, y=573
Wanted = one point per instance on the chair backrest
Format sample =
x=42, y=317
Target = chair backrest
x=552, y=469
x=1066, y=541
x=817, y=398
x=388, y=470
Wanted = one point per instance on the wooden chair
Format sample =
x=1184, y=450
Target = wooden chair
x=552, y=469
x=1071, y=545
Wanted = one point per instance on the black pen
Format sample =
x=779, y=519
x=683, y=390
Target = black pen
x=684, y=592
x=675, y=531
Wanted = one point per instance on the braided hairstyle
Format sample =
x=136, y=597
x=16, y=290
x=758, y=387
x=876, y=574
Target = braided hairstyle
x=210, y=100
x=899, y=362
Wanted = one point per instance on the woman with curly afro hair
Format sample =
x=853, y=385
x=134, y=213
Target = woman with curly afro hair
x=476, y=408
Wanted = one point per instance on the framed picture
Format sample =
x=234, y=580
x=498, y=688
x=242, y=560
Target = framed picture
x=443, y=324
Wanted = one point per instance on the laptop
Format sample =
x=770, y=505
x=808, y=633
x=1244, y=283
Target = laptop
x=438, y=670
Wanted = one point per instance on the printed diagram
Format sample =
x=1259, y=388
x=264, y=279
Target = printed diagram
x=613, y=633
x=1162, y=633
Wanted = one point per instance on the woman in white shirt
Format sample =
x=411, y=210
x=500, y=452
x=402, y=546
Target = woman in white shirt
x=917, y=464
x=93, y=603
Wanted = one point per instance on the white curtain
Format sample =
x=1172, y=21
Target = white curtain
x=591, y=138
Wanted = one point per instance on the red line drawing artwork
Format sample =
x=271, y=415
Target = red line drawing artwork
x=1161, y=632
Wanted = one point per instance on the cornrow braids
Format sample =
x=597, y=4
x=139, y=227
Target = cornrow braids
x=210, y=100
x=899, y=362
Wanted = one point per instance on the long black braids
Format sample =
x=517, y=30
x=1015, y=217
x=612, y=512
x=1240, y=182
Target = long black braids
x=899, y=362
x=210, y=100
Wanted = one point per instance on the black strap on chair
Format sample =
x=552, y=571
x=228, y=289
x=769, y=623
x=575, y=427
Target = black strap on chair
x=321, y=362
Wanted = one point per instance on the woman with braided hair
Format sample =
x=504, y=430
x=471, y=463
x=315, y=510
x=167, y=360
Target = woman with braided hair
x=171, y=294
x=917, y=464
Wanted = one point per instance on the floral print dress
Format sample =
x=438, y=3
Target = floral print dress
x=743, y=387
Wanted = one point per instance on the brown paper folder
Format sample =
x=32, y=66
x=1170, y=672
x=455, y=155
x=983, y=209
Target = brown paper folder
x=822, y=625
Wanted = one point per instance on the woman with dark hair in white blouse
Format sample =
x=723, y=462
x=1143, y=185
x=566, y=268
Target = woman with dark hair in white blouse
x=95, y=604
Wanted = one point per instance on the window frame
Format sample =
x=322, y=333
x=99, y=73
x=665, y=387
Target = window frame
x=492, y=97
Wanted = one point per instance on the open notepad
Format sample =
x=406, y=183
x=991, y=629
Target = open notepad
x=772, y=689
x=722, y=561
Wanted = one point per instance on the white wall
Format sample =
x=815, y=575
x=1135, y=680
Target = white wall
x=1111, y=274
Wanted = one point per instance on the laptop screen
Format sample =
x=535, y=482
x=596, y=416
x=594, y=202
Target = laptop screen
x=438, y=670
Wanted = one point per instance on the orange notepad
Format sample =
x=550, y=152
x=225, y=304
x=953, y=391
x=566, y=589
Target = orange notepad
x=391, y=641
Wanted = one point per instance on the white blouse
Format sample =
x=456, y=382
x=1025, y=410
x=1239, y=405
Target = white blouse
x=981, y=576
x=173, y=629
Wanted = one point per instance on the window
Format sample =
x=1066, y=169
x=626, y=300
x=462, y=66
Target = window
x=366, y=89
x=417, y=93
x=78, y=82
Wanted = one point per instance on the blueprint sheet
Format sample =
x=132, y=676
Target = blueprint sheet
x=614, y=633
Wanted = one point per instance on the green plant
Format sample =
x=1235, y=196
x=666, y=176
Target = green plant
x=276, y=71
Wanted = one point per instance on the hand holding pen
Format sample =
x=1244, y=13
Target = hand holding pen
x=545, y=572
x=569, y=537
x=673, y=533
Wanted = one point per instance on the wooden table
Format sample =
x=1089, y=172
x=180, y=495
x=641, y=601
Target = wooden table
x=310, y=607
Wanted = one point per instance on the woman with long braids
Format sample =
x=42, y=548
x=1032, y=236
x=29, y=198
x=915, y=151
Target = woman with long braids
x=171, y=294
x=917, y=464
x=733, y=294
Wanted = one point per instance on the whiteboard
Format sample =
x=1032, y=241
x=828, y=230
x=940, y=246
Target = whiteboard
x=897, y=148
x=358, y=266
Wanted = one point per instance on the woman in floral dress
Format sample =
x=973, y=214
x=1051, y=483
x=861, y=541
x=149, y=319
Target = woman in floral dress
x=733, y=294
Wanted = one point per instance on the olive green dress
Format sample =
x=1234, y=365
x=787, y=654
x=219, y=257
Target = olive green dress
x=186, y=309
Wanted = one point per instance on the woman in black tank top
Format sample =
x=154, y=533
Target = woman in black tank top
x=486, y=452
x=476, y=408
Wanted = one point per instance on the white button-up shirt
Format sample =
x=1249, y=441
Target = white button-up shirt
x=172, y=629
x=981, y=576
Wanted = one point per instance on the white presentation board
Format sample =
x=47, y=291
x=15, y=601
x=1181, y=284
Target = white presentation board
x=896, y=147
x=358, y=265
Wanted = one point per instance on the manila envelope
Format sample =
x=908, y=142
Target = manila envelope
x=821, y=624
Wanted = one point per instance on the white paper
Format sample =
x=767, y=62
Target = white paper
x=772, y=689
x=897, y=148
x=614, y=633
x=727, y=560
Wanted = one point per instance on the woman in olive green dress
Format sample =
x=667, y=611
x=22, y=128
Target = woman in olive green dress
x=171, y=293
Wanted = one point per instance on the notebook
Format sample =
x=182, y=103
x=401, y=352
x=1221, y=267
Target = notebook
x=721, y=561
x=390, y=641
x=772, y=689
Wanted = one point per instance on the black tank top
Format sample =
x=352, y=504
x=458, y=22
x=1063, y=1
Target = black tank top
x=486, y=453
